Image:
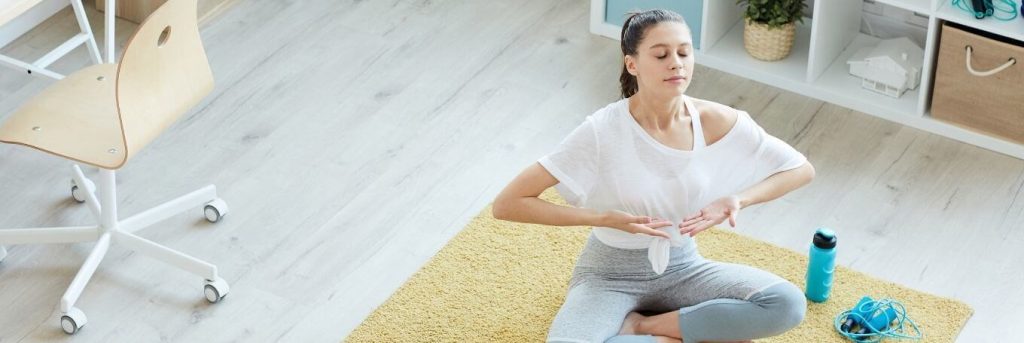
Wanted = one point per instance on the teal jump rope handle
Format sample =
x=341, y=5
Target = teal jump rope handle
x=979, y=9
x=821, y=265
x=860, y=312
x=880, y=322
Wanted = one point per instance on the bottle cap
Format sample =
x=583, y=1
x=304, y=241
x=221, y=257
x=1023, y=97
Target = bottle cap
x=825, y=239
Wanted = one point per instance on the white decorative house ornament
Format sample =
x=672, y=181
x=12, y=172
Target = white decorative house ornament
x=891, y=67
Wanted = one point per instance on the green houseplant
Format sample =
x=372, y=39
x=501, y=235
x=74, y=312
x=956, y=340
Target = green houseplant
x=769, y=27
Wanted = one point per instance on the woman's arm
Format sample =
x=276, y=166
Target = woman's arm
x=770, y=188
x=518, y=202
x=776, y=185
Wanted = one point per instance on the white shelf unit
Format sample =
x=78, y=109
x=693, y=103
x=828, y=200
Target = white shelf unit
x=817, y=66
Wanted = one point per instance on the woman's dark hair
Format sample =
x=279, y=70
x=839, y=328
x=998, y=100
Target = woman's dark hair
x=633, y=31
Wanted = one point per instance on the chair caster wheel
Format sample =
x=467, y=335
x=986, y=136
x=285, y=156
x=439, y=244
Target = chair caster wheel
x=73, y=321
x=215, y=210
x=76, y=191
x=216, y=290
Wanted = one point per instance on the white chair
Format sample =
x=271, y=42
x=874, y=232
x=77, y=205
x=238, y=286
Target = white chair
x=102, y=116
x=11, y=9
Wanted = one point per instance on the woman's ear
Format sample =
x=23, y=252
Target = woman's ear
x=630, y=64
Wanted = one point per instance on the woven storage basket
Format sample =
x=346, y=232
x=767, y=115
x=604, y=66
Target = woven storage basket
x=989, y=99
x=768, y=44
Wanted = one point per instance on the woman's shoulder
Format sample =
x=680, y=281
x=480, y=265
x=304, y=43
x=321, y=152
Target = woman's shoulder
x=609, y=114
x=717, y=119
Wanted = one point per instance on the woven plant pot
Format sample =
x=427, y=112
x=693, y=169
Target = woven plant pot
x=768, y=44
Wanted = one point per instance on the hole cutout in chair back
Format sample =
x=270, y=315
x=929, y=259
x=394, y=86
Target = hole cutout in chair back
x=164, y=35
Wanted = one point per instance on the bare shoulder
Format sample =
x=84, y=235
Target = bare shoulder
x=717, y=119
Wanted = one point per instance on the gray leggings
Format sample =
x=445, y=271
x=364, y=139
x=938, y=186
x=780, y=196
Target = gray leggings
x=716, y=301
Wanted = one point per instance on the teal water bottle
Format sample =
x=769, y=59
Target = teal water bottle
x=821, y=265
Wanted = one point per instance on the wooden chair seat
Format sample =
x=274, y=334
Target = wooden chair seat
x=76, y=118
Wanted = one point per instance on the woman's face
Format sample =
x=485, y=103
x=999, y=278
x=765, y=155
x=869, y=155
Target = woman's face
x=663, y=63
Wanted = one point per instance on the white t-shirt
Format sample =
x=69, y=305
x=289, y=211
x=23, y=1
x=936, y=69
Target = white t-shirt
x=610, y=163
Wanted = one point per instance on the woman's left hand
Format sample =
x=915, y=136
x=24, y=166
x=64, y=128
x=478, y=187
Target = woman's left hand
x=713, y=214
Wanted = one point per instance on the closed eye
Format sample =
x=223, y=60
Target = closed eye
x=666, y=55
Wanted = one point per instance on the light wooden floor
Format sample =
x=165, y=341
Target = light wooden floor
x=352, y=139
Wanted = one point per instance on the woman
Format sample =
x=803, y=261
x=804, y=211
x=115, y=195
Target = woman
x=648, y=172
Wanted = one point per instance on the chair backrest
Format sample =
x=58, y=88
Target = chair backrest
x=163, y=73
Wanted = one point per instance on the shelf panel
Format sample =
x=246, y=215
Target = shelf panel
x=1012, y=29
x=730, y=52
x=837, y=81
x=919, y=6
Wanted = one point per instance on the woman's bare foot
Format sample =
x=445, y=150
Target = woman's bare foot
x=631, y=324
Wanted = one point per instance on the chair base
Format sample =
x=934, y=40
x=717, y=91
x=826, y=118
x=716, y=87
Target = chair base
x=120, y=232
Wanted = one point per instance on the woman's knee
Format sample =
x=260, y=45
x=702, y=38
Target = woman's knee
x=787, y=304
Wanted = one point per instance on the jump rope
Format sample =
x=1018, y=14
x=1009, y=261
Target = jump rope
x=987, y=8
x=872, y=321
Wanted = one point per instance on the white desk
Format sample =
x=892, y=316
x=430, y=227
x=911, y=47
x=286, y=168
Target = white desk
x=10, y=9
x=108, y=30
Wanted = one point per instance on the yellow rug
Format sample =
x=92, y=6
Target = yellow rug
x=503, y=282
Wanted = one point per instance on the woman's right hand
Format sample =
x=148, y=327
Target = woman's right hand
x=635, y=224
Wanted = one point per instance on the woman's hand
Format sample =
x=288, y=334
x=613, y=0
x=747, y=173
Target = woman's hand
x=711, y=215
x=635, y=224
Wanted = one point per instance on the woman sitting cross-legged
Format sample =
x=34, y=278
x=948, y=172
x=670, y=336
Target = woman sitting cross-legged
x=649, y=172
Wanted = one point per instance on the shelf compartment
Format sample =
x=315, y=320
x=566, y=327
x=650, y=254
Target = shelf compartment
x=845, y=89
x=728, y=54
